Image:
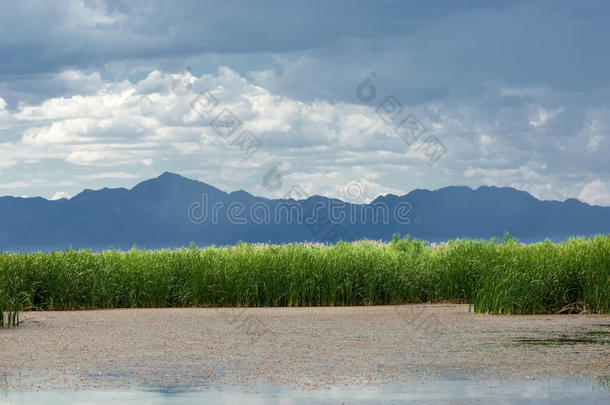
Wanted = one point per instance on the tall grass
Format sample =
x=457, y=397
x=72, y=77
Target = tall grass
x=12, y=298
x=495, y=277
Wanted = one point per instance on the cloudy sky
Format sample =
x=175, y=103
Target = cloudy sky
x=108, y=93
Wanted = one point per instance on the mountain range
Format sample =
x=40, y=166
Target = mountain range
x=173, y=211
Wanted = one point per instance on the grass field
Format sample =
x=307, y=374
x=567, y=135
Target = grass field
x=506, y=277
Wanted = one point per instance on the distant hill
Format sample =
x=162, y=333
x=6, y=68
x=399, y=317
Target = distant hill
x=170, y=211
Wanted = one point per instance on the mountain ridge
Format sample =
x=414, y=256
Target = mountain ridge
x=168, y=174
x=168, y=211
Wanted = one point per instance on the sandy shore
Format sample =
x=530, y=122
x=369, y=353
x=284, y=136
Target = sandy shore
x=295, y=348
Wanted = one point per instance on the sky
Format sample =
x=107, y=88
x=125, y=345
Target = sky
x=348, y=99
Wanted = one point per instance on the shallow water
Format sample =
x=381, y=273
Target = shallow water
x=557, y=391
x=392, y=354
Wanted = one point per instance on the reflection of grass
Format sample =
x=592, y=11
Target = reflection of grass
x=601, y=333
x=9, y=315
x=562, y=340
x=603, y=382
x=495, y=277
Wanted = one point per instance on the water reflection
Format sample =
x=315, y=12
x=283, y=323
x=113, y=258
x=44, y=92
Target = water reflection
x=426, y=392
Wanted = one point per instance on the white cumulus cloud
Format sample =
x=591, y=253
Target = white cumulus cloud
x=59, y=195
x=596, y=192
x=138, y=129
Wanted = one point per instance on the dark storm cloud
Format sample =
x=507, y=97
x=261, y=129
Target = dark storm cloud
x=50, y=36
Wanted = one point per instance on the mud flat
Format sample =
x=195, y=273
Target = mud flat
x=254, y=350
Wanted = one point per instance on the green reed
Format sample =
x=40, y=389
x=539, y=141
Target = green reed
x=494, y=277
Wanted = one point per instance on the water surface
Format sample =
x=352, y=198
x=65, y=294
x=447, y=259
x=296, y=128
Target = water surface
x=431, y=391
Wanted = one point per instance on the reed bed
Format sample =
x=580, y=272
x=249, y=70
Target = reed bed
x=507, y=277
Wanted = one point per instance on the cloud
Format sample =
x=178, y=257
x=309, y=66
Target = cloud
x=101, y=32
x=143, y=128
x=7, y=163
x=109, y=175
x=59, y=195
x=90, y=95
x=544, y=115
x=596, y=192
x=124, y=121
x=596, y=129
x=15, y=184
x=61, y=132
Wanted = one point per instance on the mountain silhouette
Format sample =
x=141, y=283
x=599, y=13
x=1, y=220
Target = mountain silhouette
x=173, y=211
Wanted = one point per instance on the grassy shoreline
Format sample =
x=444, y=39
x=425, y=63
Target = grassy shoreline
x=507, y=277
